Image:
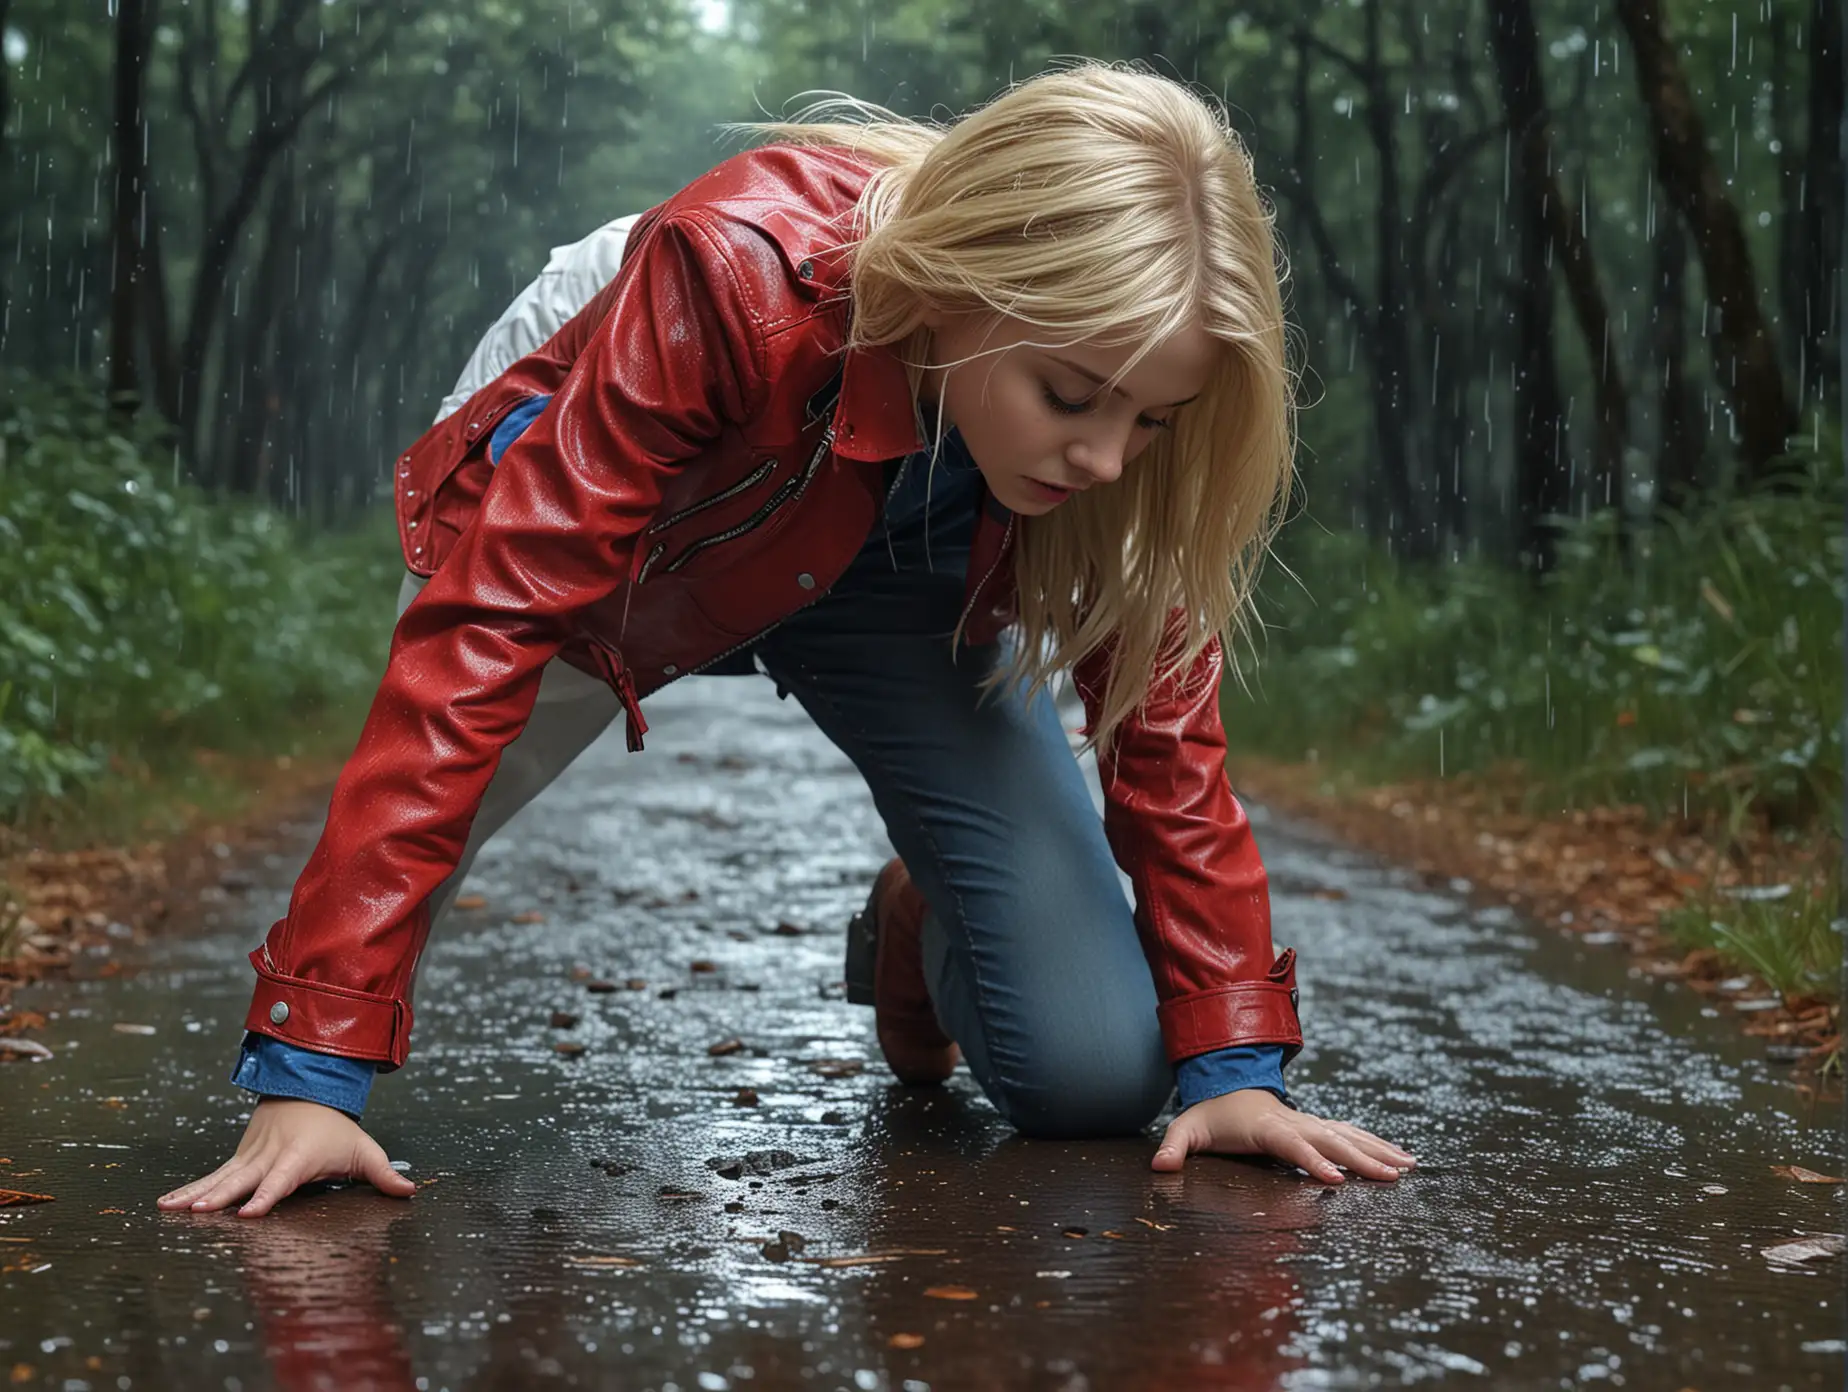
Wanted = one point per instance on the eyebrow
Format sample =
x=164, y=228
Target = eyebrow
x=1084, y=371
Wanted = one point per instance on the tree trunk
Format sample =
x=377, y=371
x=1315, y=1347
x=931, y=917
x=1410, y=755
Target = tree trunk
x=247, y=425
x=1745, y=355
x=1820, y=224
x=1542, y=478
x=133, y=32
x=6, y=94
x=1678, y=442
x=1405, y=526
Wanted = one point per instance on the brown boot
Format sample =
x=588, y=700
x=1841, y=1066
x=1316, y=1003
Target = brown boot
x=885, y=969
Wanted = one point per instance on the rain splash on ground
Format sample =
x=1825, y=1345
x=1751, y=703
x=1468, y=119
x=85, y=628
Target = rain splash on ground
x=1594, y=1202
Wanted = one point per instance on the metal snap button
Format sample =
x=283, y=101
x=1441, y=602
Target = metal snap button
x=806, y=270
x=669, y=670
x=279, y=1012
x=806, y=581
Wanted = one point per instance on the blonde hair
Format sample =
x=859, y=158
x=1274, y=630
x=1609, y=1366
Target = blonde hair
x=1096, y=201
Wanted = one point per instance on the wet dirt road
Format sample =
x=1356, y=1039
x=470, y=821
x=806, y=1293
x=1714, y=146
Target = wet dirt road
x=1595, y=1193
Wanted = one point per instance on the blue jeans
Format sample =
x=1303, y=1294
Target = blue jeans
x=1030, y=947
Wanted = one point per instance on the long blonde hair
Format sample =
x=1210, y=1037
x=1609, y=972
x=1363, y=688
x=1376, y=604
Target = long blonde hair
x=1096, y=201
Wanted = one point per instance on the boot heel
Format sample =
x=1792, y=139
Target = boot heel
x=862, y=948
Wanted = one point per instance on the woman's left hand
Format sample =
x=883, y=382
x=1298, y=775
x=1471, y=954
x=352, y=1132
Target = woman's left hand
x=1252, y=1121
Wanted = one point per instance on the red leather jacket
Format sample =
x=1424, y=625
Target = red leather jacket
x=709, y=464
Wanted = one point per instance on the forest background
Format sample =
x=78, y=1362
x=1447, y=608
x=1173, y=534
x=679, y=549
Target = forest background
x=1565, y=282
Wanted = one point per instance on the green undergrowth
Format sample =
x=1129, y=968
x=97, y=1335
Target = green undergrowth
x=1693, y=668
x=145, y=625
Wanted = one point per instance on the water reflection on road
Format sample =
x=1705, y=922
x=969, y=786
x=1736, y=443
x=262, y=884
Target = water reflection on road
x=1595, y=1193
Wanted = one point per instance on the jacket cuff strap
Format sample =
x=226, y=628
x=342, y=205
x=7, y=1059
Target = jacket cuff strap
x=329, y=1019
x=1245, y=1012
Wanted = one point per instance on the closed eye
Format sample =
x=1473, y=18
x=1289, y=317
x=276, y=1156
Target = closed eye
x=1075, y=408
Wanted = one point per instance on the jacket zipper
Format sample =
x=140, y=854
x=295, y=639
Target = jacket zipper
x=788, y=493
x=625, y=683
x=750, y=480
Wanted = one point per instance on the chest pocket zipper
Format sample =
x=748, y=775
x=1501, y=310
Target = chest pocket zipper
x=790, y=490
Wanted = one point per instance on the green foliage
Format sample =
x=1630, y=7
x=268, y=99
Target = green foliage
x=140, y=620
x=1701, y=674
x=1791, y=937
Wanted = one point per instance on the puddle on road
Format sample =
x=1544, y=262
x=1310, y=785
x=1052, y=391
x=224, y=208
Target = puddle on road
x=1595, y=1194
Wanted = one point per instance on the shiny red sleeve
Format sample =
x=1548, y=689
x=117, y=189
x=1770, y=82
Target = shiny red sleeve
x=1202, y=897
x=677, y=355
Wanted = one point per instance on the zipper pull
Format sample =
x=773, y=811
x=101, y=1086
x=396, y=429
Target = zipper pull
x=632, y=705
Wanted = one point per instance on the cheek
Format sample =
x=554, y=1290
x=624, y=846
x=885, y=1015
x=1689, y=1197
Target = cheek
x=1008, y=428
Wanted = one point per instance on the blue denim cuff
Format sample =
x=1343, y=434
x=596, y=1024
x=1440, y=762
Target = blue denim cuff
x=1228, y=1070
x=275, y=1069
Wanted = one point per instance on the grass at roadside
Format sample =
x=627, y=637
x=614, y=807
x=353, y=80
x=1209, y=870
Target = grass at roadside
x=1694, y=671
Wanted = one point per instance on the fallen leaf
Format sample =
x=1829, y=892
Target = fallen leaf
x=905, y=1341
x=563, y=1019
x=635, y=983
x=1332, y=895
x=702, y=966
x=866, y=1259
x=24, y=1048
x=790, y=930
x=1076, y=1232
x=12, y=1198
x=24, y=1372
x=725, y=1046
x=1151, y=1223
x=600, y=1261
x=950, y=1293
x=837, y=1068
x=529, y=916
x=1796, y=1252
x=1111, y=1233
x=121, y=1028
x=600, y=988
x=570, y=1048
x=472, y=901
x=668, y=1191
x=745, y=1097
x=1802, y=1176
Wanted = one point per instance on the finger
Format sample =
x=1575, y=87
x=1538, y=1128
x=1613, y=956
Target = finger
x=277, y=1185
x=1177, y=1143
x=1295, y=1147
x=230, y=1187
x=186, y=1193
x=1375, y=1144
x=375, y=1166
x=1345, y=1152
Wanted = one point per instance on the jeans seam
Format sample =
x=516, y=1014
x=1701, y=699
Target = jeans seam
x=924, y=832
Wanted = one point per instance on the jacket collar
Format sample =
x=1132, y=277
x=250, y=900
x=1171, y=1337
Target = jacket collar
x=874, y=418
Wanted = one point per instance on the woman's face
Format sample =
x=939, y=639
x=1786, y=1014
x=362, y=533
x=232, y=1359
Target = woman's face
x=1036, y=420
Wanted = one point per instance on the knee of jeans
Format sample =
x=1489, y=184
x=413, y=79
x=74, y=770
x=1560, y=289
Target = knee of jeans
x=1101, y=1084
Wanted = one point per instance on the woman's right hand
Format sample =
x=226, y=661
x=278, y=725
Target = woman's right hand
x=289, y=1143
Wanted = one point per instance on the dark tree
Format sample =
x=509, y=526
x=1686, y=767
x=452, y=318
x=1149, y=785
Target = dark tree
x=1745, y=360
x=134, y=32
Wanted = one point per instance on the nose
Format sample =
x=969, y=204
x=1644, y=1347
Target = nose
x=1100, y=460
